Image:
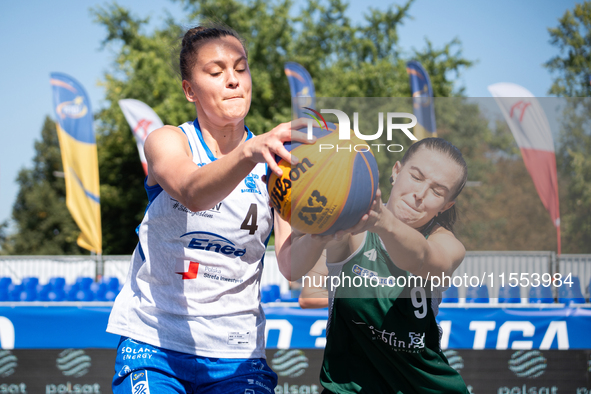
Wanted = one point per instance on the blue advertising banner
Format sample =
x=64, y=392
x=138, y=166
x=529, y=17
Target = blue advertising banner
x=55, y=327
x=301, y=87
x=422, y=93
x=79, y=158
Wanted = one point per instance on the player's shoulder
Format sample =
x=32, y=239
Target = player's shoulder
x=449, y=241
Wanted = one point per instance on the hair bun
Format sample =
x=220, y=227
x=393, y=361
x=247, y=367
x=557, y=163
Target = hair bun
x=187, y=38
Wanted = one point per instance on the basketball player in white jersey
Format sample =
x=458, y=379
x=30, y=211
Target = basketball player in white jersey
x=189, y=314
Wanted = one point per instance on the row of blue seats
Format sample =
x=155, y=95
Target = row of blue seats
x=567, y=294
x=272, y=293
x=56, y=289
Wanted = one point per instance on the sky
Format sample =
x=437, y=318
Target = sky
x=508, y=40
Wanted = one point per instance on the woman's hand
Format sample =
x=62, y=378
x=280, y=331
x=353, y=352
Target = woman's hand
x=375, y=217
x=263, y=148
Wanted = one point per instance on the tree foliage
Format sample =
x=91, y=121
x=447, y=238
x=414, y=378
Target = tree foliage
x=572, y=70
x=572, y=66
x=345, y=60
x=43, y=223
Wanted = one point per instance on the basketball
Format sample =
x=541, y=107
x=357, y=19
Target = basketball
x=332, y=186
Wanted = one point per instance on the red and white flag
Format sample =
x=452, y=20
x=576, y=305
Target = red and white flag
x=143, y=120
x=531, y=130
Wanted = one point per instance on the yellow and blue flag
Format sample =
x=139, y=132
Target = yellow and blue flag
x=422, y=100
x=302, y=88
x=79, y=157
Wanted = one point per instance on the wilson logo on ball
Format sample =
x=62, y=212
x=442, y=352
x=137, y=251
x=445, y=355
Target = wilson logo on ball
x=325, y=192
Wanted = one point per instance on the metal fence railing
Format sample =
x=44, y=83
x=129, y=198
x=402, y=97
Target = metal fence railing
x=491, y=264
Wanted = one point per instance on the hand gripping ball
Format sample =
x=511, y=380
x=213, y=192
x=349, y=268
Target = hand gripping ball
x=332, y=186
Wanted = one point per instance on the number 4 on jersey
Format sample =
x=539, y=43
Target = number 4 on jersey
x=250, y=221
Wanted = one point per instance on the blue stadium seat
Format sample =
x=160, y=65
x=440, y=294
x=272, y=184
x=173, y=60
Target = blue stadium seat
x=571, y=293
x=43, y=292
x=290, y=296
x=110, y=295
x=28, y=294
x=71, y=291
x=99, y=290
x=577, y=292
x=84, y=282
x=57, y=283
x=112, y=283
x=5, y=282
x=270, y=293
x=56, y=295
x=30, y=282
x=508, y=294
x=451, y=295
x=14, y=292
x=4, y=295
x=84, y=295
x=478, y=294
x=541, y=295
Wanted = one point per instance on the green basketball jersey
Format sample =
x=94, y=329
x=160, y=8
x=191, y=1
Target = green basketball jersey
x=382, y=336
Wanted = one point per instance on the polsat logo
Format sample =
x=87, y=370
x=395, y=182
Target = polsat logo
x=74, y=109
x=344, y=127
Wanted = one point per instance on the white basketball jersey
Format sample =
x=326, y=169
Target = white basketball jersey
x=194, y=281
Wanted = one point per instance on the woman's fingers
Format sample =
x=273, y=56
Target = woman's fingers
x=286, y=155
x=270, y=159
x=302, y=137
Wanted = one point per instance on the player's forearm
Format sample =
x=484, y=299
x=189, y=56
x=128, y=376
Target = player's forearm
x=408, y=248
x=299, y=254
x=206, y=186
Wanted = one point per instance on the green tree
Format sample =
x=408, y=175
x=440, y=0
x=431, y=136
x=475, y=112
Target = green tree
x=572, y=70
x=42, y=221
x=572, y=66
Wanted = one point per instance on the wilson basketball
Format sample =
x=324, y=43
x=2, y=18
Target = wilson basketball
x=332, y=186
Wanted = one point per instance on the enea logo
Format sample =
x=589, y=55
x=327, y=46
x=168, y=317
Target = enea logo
x=210, y=242
x=75, y=109
x=344, y=124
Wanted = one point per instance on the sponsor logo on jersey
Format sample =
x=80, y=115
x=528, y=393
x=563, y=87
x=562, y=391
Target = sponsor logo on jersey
x=214, y=243
x=415, y=343
x=191, y=271
x=139, y=383
x=251, y=184
x=205, y=214
x=364, y=272
x=124, y=371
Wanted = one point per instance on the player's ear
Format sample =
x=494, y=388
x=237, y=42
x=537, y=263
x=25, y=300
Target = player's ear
x=447, y=206
x=395, y=171
x=189, y=91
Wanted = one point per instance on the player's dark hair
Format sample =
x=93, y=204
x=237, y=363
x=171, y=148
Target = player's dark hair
x=195, y=38
x=447, y=218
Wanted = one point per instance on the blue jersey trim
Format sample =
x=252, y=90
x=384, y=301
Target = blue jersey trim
x=153, y=191
x=269, y=236
x=183, y=130
x=249, y=135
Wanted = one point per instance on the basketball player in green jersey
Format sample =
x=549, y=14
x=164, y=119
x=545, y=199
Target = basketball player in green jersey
x=382, y=336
